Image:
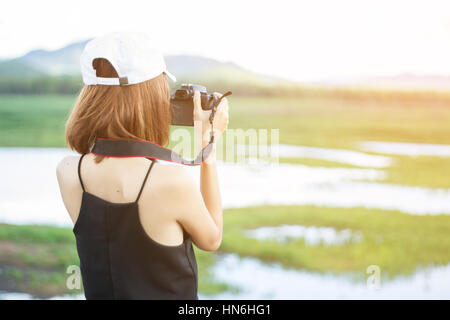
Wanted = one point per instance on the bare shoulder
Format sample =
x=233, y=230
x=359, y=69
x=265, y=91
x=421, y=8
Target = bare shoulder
x=66, y=169
x=175, y=181
x=67, y=176
x=174, y=177
x=177, y=189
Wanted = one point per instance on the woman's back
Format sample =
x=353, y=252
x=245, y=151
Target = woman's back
x=130, y=248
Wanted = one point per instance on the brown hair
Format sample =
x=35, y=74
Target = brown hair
x=138, y=111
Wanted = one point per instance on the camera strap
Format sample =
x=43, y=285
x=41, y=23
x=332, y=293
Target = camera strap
x=213, y=113
x=123, y=148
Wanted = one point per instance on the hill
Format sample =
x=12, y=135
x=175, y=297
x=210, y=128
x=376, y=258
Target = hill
x=65, y=62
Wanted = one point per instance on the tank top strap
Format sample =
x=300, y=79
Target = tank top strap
x=145, y=179
x=79, y=168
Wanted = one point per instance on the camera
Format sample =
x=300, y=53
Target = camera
x=182, y=103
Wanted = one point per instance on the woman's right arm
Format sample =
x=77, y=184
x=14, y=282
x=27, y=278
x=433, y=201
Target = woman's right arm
x=203, y=220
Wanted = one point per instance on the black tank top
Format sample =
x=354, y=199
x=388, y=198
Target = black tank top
x=118, y=260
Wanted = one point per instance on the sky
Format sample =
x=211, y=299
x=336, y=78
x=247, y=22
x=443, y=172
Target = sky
x=297, y=40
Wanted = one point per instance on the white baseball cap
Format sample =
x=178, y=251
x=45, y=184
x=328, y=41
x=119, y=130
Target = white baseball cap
x=133, y=55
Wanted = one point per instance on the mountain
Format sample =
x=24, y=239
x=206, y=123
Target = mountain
x=17, y=68
x=64, y=61
x=186, y=68
x=197, y=69
x=201, y=69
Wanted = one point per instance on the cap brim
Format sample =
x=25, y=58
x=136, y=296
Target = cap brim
x=171, y=76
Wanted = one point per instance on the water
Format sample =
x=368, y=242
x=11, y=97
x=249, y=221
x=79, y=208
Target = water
x=310, y=234
x=272, y=281
x=25, y=296
x=410, y=149
x=338, y=155
x=29, y=190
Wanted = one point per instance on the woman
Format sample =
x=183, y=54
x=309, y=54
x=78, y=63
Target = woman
x=135, y=219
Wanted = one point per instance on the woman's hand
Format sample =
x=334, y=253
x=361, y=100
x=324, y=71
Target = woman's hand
x=202, y=126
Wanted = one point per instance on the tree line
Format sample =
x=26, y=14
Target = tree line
x=40, y=85
x=73, y=84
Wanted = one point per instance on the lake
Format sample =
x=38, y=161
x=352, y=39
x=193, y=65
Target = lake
x=29, y=174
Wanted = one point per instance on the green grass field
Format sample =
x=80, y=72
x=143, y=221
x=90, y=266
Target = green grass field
x=38, y=121
x=33, y=121
x=397, y=242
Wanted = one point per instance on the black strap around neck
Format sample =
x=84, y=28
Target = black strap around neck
x=144, y=148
